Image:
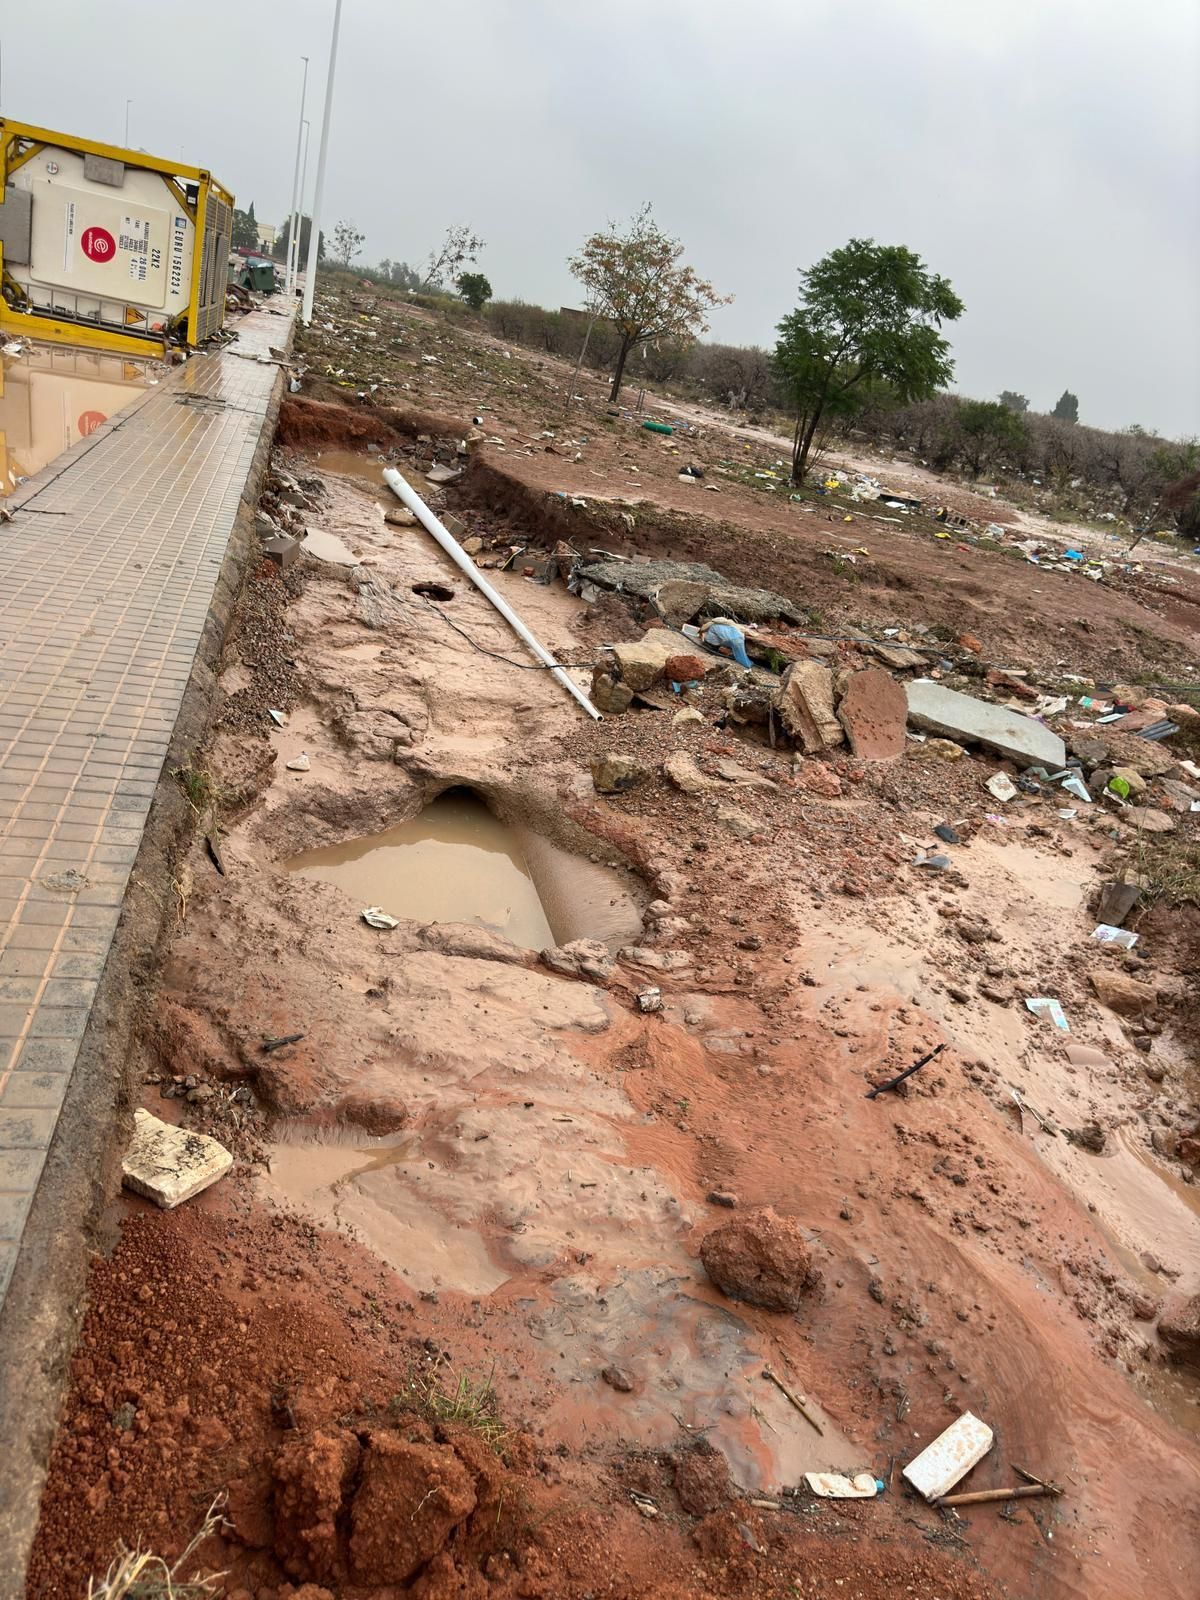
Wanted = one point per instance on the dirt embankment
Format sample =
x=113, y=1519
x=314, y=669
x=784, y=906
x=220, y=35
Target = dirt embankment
x=446, y=1329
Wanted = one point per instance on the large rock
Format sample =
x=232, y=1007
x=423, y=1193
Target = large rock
x=678, y=600
x=1179, y=1330
x=582, y=958
x=874, y=712
x=762, y=1258
x=478, y=944
x=1127, y=996
x=410, y=1498
x=643, y=661
x=805, y=704
x=681, y=770
x=614, y=774
x=960, y=716
x=609, y=694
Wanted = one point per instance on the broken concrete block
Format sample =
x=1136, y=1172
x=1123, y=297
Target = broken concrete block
x=874, y=711
x=169, y=1165
x=643, y=661
x=281, y=550
x=961, y=716
x=804, y=701
x=950, y=1457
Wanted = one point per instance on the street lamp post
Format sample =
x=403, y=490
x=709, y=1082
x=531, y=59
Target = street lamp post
x=314, y=232
x=293, y=248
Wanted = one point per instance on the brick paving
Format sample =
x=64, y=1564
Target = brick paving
x=107, y=573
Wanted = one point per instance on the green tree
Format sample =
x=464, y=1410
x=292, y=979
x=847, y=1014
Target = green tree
x=474, y=289
x=867, y=325
x=635, y=279
x=244, y=235
x=347, y=242
x=1067, y=408
x=458, y=249
x=280, y=248
x=989, y=429
x=1013, y=400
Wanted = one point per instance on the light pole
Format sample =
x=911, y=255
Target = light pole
x=300, y=216
x=314, y=231
x=128, y=103
x=293, y=255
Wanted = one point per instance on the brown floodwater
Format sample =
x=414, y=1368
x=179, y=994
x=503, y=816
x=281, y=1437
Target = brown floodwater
x=455, y=862
x=349, y=464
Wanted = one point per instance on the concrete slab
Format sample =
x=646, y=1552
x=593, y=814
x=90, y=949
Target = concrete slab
x=169, y=1165
x=937, y=709
x=950, y=1457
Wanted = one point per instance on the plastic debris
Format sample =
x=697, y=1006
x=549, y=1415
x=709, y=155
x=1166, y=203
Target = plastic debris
x=1107, y=934
x=950, y=1457
x=276, y=716
x=1002, y=787
x=1077, y=787
x=299, y=763
x=939, y=863
x=1045, y=1007
x=837, y=1486
x=377, y=917
x=946, y=833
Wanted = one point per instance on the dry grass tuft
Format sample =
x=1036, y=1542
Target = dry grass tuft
x=141, y=1575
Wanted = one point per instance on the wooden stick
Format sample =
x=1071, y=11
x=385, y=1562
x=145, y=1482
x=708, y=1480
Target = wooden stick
x=881, y=1088
x=1031, y=1478
x=1025, y=1491
x=799, y=1404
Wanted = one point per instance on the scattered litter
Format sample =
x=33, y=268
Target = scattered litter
x=1159, y=730
x=1107, y=934
x=939, y=863
x=277, y=1044
x=377, y=917
x=299, y=763
x=836, y=1486
x=1044, y=1006
x=169, y=1165
x=650, y=999
x=1121, y=787
x=1076, y=786
x=1023, y=1105
x=1069, y=813
x=946, y=833
x=277, y=717
x=950, y=1457
x=881, y=1088
x=1002, y=787
x=643, y=1502
x=796, y=1400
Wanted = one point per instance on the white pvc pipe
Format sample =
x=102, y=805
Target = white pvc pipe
x=404, y=490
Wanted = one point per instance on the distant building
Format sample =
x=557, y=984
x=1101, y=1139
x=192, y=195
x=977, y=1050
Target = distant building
x=266, y=237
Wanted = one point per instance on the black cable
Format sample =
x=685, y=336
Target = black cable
x=523, y=666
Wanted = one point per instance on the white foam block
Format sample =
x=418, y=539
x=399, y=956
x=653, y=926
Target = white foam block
x=950, y=1457
x=169, y=1165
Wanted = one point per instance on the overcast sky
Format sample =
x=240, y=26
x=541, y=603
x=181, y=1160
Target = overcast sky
x=1044, y=155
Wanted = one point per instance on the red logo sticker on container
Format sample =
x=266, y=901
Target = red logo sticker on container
x=89, y=421
x=98, y=244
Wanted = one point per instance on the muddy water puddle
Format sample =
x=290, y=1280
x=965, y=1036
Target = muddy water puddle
x=369, y=1188
x=456, y=862
x=348, y=464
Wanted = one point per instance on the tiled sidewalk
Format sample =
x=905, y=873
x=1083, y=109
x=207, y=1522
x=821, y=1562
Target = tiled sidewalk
x=106, y=576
